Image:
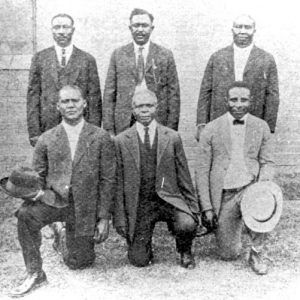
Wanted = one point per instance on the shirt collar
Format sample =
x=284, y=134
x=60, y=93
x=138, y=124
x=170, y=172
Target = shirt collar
x=76, y=127
x=145, y=46
x=68, y=49
x=152, y=126
x=231, y=118
x=243, y=50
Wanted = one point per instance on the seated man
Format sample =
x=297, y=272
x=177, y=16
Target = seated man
x=234, y=152
x=153, y=184
x=76, y=161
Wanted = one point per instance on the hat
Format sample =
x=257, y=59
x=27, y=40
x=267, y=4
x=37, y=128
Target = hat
x=261, y=206
x=22, y=183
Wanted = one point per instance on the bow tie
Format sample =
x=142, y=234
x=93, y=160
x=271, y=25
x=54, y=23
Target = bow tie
x=238, y=122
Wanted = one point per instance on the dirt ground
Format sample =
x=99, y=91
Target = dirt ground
x=112, y=277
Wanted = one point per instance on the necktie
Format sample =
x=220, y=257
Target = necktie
x=63, y=57
x=140, y=65
x=147, y=138
x=238, y=122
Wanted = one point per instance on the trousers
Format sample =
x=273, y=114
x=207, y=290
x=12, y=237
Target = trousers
x=32, y=217
x=150, y=211
x=231, y=225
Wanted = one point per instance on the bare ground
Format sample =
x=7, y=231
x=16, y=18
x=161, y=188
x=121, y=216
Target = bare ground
x=112, y=277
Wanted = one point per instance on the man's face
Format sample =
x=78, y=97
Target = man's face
x=238, y=102
x=62, y=31
x=141, y=28
x=71, y=105
x=243, y=31
x=144, y=109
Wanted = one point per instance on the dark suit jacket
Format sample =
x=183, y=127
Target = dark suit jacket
x=160, y=76
x=260, y=73
x=173, y=180
x=215, y=154
x=44, y=84
x=91, y=174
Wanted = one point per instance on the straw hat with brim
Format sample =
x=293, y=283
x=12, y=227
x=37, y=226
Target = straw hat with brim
x=22, y=183
x=261, y=206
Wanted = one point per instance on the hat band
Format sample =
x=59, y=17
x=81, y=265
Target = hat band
x=272, y=214
x=18, y=191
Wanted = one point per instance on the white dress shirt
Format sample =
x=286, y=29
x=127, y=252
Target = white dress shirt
x=141, y=131
x=241, y=56
x=58, y=50
x=237, y=174
x=73, y=133
x=145, y=55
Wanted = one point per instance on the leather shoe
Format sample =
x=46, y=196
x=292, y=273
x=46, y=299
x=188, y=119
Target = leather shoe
x=257, y=263
x=31, y=282
x=187, y=260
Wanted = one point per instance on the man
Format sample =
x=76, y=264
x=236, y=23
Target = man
x=76, y=162
x=50, y=70
x=241, y=61
x=234, y=152
x=153, y=184
x=144, y=63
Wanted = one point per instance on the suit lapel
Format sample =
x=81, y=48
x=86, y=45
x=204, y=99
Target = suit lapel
x=84, y=142
x=130, y=59
x=250, y=134
x=162, y=142
x=152, y=54
x=132, y=145
x=225, y=133
x=72, y=68
x=230, y=62
x=252, y=61
x=53, y=64
x=62, y=146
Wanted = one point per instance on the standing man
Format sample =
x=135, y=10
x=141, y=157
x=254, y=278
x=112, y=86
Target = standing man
x=76, y=162
x=50, y=70
x=241, y=61
x=234, y=152
x=140, y=63
x=153, y=184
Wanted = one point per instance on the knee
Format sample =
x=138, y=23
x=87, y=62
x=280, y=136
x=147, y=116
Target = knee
x=229, y=251
x=185, y=224
x=23, y=214
x=139, y=261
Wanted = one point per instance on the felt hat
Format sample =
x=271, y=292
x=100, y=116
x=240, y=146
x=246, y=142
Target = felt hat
x=261, y=206
x=22, y=183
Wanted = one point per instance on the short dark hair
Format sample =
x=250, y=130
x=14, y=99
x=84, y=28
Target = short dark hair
x=140, y=11
x=238, y=84
x=63, y=16
x=71, y=87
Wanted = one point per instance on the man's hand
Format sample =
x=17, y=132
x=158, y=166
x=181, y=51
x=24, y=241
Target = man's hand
x=199, y=129
x=101, y=231
x=209, y=220
x=35, y=196
x=122, y=231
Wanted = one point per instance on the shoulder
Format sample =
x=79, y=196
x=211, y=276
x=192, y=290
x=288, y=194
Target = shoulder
x=161, y=49
x=262, y=52
x=258, y=123
x=222, y=53
x=171, y=133
x=84, y=54
x=123, y=49
x=43, y=53
x=124, y=134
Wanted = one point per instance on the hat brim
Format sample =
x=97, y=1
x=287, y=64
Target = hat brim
x=251, y=191
x=26, y=192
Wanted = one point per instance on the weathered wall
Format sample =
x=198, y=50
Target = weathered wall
x=192, y=29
